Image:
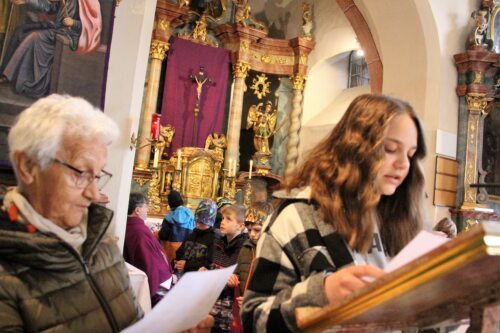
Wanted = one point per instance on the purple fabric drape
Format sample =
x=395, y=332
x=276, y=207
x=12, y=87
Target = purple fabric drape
x=179, y=95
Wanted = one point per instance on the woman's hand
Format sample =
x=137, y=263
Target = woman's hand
x=179, y=265
x=239, y=300
x=340, y=284
x=204, y=326
x=233, y=281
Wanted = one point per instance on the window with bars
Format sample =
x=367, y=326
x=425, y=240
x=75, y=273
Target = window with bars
x=358, y=70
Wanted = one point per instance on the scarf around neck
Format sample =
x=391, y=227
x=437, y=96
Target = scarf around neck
x=75, y=236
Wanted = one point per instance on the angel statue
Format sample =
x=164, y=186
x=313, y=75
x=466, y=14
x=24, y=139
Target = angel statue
x=217, y=141
x=263, y=123
x=166, y=134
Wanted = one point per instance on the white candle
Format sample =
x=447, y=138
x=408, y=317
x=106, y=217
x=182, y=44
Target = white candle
x=179, y=159
x=157, y=157
x=234, y=166
x=250, y=170
x=229, y=167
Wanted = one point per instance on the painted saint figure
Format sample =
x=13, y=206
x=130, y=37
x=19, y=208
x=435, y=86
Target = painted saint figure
x=29, y=57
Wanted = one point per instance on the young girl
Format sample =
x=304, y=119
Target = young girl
x=355, y=200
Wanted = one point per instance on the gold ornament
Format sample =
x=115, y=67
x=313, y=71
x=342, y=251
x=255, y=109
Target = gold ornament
x=241, y=69
x=298, y=81
x=260, y=86
x=158, y=50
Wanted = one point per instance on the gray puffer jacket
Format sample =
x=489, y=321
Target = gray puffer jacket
x=47, y=286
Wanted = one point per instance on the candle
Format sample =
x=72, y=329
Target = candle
x=234, y=168
x=250, y=170
x=179, y=159
x=230, y=167
x=157, y=157
x=155, y=126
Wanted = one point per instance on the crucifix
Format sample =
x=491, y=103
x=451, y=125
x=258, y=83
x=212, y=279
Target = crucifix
x=200, y=79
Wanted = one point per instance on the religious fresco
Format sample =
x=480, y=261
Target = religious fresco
x=51, y=47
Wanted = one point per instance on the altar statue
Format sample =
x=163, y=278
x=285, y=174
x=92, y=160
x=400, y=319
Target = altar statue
x=216, y=141
x=263, y=123
x=166, y=135
x=306, y=20
x=200, y=29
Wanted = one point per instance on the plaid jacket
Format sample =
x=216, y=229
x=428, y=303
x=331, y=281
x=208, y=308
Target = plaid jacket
x=296, y=249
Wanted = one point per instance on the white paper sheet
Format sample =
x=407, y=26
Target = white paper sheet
x=424, y=242
x=186, y=304
x=168, y=283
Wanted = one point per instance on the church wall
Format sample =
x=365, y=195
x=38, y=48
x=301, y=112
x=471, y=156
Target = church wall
x=124, y=93
x=328, y=76
x=454, y=25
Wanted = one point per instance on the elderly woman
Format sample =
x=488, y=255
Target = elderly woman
x=59, y=270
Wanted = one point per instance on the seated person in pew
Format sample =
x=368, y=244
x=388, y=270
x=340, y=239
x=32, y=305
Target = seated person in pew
x=356, y=200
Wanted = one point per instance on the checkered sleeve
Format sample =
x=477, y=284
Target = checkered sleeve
x=288, y=273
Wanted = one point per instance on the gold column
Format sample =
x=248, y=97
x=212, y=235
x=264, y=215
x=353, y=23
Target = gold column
x=476, y=105
x=240, y=72
x=298, y=81
x=157, y=54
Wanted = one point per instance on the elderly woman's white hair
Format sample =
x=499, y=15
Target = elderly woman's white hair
x=40, y=129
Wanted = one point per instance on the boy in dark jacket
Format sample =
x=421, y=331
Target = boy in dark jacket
x=197, y=249
x=255, y=217
x=227, y=246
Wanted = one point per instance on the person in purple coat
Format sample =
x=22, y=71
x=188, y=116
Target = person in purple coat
x=143, y=250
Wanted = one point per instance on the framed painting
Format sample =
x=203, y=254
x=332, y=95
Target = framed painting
x=51, y=46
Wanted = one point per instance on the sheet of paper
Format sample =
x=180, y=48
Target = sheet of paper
x=188, y=302
x=424, y=242
x=167, y=284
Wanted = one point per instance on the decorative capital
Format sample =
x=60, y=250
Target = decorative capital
x=241, y=69
x=477, y=103
x=298, y=81
x=158, y=50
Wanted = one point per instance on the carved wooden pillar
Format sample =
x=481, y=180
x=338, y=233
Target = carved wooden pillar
x=157, y=53
x=476, y=72
x=476, y=105
x=240, y=72
x=298, y=81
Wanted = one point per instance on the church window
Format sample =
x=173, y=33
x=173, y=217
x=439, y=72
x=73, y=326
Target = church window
x=358, y=69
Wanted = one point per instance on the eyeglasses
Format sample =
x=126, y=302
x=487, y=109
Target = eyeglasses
x=85, y=178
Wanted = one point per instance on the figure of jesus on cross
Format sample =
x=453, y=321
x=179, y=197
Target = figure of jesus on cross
x=200, y=79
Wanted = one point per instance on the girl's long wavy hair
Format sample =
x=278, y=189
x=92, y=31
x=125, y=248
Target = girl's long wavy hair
x=341, y=172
